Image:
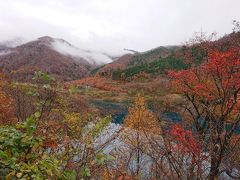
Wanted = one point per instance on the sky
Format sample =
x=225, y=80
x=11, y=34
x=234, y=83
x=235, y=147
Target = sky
x=112, y=25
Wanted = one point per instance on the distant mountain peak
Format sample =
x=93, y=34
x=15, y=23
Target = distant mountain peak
x=37, y=55
x=131, y=50
x=53, y=55
x=46, y=39
x=49, y=40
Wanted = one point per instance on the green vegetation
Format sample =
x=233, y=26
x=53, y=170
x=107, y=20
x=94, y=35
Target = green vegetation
x=153, y=68
x=152, y=55
x=22, y=154
x=55, y=130
x=94, y=71
x=162, y=59
x=46, y=117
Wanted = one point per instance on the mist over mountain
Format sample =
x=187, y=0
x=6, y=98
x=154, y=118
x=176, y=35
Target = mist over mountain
x=12, y=42
x=54, y=56
x=120, y=89
x=93, y=57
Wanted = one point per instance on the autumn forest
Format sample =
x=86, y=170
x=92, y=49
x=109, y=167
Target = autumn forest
x=169, y=113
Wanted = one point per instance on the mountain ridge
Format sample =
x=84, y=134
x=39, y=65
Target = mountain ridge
x=22, y=61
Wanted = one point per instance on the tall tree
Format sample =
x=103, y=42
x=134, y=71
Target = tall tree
x=141, y=124
x=212, y=91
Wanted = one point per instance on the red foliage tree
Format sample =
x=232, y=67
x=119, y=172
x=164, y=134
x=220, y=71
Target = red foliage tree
x=212, y=91
x=186, y=143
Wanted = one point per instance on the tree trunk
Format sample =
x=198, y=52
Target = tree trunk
x=213, y=173
x=215, y=164
x=138, y=156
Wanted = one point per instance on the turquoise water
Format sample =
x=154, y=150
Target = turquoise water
x=117, y=110
x=229, y=126
x=172, y=116
x=120, y=110
x=119, y=117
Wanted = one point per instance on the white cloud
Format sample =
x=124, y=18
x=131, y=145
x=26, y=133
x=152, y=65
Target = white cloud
x=3, y=53
x=93, y=57
x=112, y=25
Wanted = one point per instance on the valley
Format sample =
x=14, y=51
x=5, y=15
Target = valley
x=170, y=112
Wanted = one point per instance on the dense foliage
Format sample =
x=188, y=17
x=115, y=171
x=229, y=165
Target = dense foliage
x=183, y=59
x=213, y=91
x=22, y=154
x=154, y=68
x=50, y=129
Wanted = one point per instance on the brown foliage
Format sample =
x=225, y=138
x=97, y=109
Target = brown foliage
x=97, y=82
x=6, y=109
x=120, y=63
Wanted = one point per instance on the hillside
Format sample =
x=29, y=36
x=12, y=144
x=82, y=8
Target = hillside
x=159, y=60
x=54, y=56
x=120, y=63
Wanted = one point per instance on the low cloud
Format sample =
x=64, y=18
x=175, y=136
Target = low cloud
x=112, y=25
x=92, y=57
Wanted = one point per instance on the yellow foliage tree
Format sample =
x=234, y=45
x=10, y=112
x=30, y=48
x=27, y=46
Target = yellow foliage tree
x=141, y=126
x=141, y=119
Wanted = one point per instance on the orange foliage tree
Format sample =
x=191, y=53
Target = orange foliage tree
x=6, y=103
